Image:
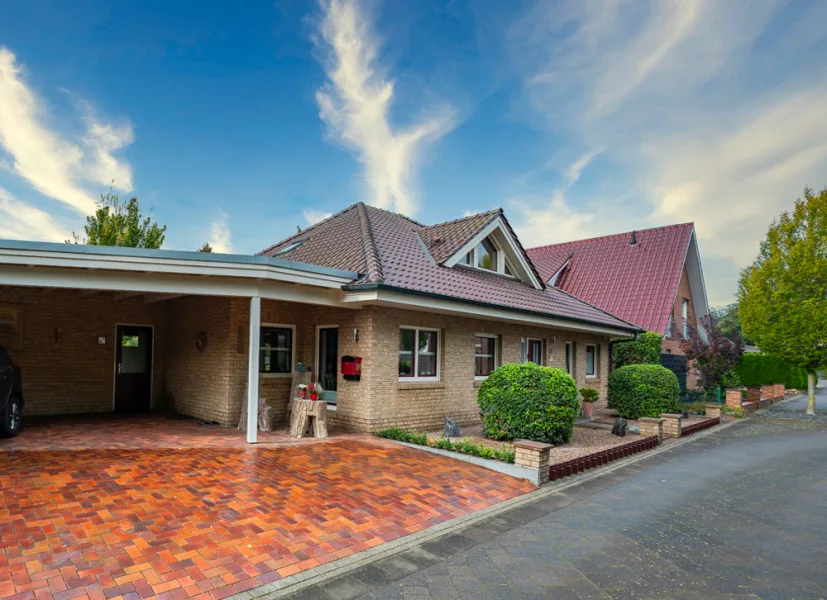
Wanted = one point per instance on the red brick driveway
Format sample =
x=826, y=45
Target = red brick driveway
x=132, y=509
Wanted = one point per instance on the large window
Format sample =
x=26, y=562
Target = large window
x=591, y=360
x=535, y=351
x=418, y=354
x=488, y=256
x=485, y=355
x=276, y=350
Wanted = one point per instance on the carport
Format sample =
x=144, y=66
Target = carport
x=99, y=329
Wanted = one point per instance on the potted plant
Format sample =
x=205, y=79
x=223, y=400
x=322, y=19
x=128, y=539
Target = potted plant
x=315, y=391
x=590, y=396
x=302, y=391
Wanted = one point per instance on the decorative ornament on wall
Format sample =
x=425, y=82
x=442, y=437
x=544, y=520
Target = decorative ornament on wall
x=201, y=341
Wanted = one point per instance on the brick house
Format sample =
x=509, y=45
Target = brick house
x=431, y=310
x=652, y=278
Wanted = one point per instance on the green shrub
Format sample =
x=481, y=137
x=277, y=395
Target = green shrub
x=756, y=370
x=645, y=350
x=736, y=412
x=403, y=435
x=699, y=408
x=530, y=402
x=643, y=391
x=731, y=380
x=589, y=394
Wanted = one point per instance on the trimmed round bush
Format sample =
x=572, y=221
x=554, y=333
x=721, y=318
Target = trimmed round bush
x=529, y=402
x=637, y=391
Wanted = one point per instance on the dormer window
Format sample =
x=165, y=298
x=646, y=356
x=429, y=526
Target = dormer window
x=486, y=256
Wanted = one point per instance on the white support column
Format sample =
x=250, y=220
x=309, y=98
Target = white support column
x=252, y=375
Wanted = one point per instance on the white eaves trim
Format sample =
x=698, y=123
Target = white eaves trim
x=526, y=272
x=438, y=305
x=553, y=281
x=173, y=266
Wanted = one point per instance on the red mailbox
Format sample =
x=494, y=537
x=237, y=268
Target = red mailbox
x=352, y=367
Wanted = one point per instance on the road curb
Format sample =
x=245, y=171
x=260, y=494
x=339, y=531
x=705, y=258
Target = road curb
x=343, y=566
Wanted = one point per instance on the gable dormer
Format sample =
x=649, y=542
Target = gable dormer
x=494, y=249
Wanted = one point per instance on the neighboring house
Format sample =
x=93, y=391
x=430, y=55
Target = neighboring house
x=430, y=310
x=652, y=278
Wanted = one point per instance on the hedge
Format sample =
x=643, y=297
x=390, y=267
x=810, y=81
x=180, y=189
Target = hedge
x=644, y=350
x=762, y=369
x=529, y=402
x=637, y=391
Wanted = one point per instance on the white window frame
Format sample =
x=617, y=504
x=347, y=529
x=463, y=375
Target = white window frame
x=496, y=339
x=570, y=358
x=685, y=317
x=594, y=362
x=501, y=259
x=415, y=366
x=292, y=352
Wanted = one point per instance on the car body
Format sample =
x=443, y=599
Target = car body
x=11, y=396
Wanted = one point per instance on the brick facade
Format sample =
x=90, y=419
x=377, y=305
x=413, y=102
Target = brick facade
x=672, y=342
x=76, y=375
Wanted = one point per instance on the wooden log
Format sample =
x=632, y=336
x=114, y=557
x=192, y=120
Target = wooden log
x=320, y=419
x=299, y=418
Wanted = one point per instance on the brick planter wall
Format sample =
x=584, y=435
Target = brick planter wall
x=696, y=427
x=753, y=394
x=714, y=411
x=583, y=463
x=734, y=398
x=651, y=427
x=671, y=425
x=779, y=391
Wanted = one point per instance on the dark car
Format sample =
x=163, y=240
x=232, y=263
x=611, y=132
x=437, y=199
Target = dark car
x=11, y=396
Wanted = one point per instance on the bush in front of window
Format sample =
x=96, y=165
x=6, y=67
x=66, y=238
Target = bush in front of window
x=643, y=350
x=637, y=391
x=530, y=402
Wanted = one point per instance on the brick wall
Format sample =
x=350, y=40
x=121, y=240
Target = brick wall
x=76, y=374
x=671, y=344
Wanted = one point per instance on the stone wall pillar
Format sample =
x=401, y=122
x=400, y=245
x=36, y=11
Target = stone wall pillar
x=753, y=394
x=733, y=398
x=650, y=427
x=713, y=411
x=779, y=391
x=534, y=456
x=767, y=392
x=671, y=425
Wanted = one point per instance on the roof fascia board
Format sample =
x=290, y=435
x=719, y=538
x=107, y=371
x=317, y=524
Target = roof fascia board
x=254, y=270
x=169, y=283
x=374, y=295
x=496, y=224
x=115, y=252
x=553, y=280
x=697, y=283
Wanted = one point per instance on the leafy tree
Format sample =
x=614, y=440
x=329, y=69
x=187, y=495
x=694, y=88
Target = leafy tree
x=728, y=321
x=643, y=350
x=782, y=295
x=116, y=224
x=715, y=357
x=205, y=248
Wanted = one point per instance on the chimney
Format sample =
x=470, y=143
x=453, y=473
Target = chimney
x=634, y=238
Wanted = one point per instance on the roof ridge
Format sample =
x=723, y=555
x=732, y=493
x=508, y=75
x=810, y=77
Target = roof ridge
x=612, y=235
x=309, y=228
x=372, y=264
x=395, y=214
x=487, y=212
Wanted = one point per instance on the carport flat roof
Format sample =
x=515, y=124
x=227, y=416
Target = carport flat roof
x=182, y=255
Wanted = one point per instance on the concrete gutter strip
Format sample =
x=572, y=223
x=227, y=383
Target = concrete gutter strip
x=495, y=465
x=299, y=581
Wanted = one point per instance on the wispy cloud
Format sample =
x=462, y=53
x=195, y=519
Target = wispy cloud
x=220, y=237
x=54, y=163
x=19, y=220
x=706, y=111
x=355, y=104
x=313, y=216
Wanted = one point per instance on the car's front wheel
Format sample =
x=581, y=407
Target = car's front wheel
x=10, y=425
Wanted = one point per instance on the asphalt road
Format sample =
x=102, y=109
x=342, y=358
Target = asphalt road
x=741, y=513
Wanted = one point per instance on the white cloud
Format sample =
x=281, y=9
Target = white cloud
x=355, y=102
x=313, y=216
x=50, y=161
x=695, y=118
x=220, y=238
x=21, y=221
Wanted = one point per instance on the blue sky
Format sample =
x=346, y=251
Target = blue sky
x=237, y=122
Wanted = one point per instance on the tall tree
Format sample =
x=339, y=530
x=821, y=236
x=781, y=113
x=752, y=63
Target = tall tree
x=782, y=296
x=714, y=356
x=205, y=248
x=728, y=321
x=117, y=224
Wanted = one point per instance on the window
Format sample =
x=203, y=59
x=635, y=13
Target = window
x=465, y=260
x=685, y=317
x=570, y=358
x=276, y=350
x=508, y=270
x=535, y=351
x=485, y=355
x=591, y=360
x=487, y=256
x=418, y=354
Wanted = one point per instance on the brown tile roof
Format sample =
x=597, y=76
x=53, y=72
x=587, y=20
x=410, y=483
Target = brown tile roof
x=444, y=239
x=636, y=282
x=387, y=248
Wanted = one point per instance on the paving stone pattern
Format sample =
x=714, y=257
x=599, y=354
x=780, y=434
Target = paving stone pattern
x=211, y=521
x=741, y=513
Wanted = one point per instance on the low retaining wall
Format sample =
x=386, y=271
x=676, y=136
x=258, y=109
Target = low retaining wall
x=696, y=427
x=584, y=463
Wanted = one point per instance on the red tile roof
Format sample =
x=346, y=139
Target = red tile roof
x=391, y=250
x=635, y=282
